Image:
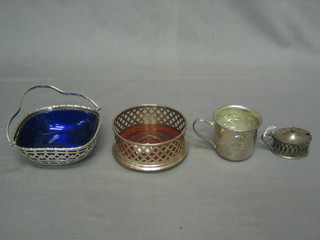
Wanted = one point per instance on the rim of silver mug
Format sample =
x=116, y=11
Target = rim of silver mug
x=150, y=144
x=259, y=117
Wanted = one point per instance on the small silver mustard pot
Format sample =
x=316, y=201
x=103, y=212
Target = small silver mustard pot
x=291, y=143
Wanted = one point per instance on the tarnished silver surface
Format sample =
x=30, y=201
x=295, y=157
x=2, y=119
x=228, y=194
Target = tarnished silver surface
x=291, y=143
x=149, y=156
x=235, y=131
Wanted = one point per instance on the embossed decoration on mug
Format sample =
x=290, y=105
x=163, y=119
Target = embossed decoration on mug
x=235, y=131
x=149, y=137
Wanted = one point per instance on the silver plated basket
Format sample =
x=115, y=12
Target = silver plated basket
x=59, y=134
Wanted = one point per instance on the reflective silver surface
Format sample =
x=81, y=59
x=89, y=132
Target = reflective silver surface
x=291, y=143
x=235, y=131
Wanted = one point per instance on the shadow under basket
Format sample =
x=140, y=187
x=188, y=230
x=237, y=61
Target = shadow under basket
x=57, y=135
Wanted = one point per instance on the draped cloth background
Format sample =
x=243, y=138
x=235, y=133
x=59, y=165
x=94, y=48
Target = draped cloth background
x=195, y=56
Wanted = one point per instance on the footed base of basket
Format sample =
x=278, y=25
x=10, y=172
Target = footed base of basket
x=149, y=167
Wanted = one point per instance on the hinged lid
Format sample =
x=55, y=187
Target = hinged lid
x=293, y=135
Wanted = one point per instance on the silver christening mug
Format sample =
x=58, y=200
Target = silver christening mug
x=235, y=131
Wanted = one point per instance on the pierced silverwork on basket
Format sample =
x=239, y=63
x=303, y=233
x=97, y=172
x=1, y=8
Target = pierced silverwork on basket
x=57, y=134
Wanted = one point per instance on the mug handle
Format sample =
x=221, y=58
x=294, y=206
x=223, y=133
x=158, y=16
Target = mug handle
x=211, y=123
x=268, y=133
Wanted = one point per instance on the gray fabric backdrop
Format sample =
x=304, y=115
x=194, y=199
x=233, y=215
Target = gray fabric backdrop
x=195, y=56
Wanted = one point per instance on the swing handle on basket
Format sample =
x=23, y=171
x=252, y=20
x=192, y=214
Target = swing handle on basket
x=50, y=87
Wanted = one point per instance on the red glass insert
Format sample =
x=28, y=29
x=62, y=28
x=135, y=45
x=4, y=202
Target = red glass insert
x=149, y=133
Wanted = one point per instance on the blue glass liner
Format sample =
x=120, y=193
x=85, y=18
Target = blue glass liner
x=62, y=128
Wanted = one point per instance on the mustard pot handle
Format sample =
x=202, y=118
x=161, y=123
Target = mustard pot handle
x=268, y=134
